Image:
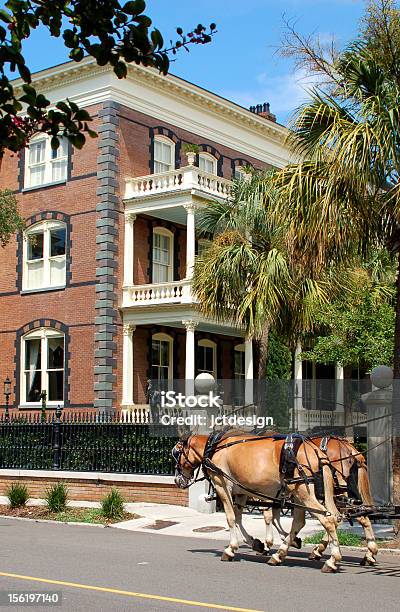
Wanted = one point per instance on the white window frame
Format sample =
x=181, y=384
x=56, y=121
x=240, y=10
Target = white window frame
x=240, y=348
x=204, y=342
x=44, y=227
x=207, y=157
x=48, y=161
x=43, y=334
x=162, y=231
x=157, y=163
x=240, y=174
x=165, y=338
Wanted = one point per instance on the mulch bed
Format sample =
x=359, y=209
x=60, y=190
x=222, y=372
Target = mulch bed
x=81, y=515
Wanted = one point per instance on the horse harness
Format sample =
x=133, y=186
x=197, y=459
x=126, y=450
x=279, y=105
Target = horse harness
x=287, y=465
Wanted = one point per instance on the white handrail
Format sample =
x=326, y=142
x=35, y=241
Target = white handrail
x=186, y=178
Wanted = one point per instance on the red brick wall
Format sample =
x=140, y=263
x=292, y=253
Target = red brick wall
x=74, y=306
x=86, y=490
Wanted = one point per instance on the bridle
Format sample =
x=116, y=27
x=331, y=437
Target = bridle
x=181, y=449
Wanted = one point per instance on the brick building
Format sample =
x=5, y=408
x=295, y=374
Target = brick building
x=95, y=294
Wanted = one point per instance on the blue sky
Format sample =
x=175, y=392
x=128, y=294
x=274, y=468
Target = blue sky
x=241, y=63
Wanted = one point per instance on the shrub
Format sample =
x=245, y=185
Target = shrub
x=112, y=505
x=57, y=497
x=17, y=494
x=190, y=148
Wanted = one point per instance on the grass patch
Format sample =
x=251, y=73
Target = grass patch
x=346, y=538
x=69, y=515
x=17, y=494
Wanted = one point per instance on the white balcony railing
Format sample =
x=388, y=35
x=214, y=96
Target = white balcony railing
x=186, y=178
x=176, y=292
x=327, y=418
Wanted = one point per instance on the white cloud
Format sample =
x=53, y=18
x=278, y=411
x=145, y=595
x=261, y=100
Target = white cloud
x=284, y=92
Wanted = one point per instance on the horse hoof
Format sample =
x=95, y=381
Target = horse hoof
x=226, y=557
x=327, y=569
x=265, y=552
x=297, y=543
x=273, y=561
x=313, y=556
x=258, y=546
x=368, y=562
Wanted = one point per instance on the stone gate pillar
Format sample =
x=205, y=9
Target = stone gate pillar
x=379, y=432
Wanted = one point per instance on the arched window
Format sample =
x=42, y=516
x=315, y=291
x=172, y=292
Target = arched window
x=45, y=165
x=239, y=365
x=162, y=359
x=164, y=154
x=207, y=357
x=42, y=366
x=163, y=255
x=207, y=163
x=44, y=255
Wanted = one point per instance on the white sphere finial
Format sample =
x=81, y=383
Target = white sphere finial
x=382, y=376
x=204, y=383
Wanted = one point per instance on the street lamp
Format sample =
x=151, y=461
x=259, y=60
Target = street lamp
x=7, y=393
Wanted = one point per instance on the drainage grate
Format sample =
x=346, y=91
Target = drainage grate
x=208, y=529
x=159, y=524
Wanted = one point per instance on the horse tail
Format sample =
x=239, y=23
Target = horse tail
x=329, y=490
x=364, y=485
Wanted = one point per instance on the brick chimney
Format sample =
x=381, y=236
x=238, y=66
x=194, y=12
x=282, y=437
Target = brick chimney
x=263, y=110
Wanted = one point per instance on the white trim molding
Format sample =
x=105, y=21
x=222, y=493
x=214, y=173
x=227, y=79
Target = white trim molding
x=171, y=99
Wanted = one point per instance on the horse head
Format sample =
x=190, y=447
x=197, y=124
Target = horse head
x=187, y=460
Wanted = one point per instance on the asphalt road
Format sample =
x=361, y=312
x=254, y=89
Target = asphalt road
x=182, y=569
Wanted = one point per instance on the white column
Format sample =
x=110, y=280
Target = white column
x=190, y=357
x=190, y=239
x=129, y=249
x=127, y=365
x=298, y=387
x=339, y=375
x=248, y=371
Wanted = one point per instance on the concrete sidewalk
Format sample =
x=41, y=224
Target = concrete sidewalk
x=181, y=521
x=185, y=522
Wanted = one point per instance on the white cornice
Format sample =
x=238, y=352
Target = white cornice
x=169, y=99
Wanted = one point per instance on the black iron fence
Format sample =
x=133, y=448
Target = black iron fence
x=86, y=442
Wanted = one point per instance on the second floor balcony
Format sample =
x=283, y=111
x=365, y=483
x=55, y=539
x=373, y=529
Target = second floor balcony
x=188, y=179
x=157, y=294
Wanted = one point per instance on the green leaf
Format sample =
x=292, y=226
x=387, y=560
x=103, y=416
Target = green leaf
x=120, y=70
x=78, y=140
x=77, y=54
x=24, y=73
x=135, y=7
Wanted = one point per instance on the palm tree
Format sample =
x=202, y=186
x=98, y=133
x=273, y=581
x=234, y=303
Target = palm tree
x=345, y=192
x=245, y=275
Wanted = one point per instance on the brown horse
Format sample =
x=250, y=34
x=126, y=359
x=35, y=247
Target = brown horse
x=351, y=472
x=245, y=463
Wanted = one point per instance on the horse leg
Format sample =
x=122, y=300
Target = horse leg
x=269, y=532
x=254, y=543
x=370, y=556
x=297, y=525
x=319, y=549
x=226, y=499
x=329, y=523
